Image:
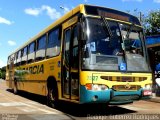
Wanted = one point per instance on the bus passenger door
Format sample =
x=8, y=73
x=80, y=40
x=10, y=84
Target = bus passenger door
x=66, y=64
x=70, y=67
x=74, y=59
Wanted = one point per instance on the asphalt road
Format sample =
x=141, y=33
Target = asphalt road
x=26, y=106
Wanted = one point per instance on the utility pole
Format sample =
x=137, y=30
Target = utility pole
x=140, y=16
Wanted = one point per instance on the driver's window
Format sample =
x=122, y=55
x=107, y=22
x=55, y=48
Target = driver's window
x=132, y=39
x=115, y=39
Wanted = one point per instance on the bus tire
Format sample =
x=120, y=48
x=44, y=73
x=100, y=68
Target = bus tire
x=15, y=90
x=52, y=96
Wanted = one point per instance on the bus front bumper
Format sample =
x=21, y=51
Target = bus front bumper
x=110, y=96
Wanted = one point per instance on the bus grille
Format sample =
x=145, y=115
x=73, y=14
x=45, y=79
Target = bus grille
x=126, y=87
x=124, y=78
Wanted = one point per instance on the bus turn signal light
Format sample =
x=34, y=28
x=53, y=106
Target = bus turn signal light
x=89, y=86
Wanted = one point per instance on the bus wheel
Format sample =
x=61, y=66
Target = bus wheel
x=52, y=97
x=15, y=91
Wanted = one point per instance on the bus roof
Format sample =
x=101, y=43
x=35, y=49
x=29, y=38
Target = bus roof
x=78, y=9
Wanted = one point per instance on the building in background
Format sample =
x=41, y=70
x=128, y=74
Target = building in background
x=153, y=45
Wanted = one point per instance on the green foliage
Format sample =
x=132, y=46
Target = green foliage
x=2, y=73
x=152, y=23
x=3, y=68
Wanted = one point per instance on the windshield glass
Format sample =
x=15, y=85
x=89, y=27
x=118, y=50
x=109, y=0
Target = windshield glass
x=134, y=50
x=105, y=49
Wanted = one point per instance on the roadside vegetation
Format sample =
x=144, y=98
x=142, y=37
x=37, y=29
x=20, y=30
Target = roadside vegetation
x=3, y=73
x=150, y=21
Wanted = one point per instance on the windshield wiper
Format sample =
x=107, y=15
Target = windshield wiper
x=107, y=26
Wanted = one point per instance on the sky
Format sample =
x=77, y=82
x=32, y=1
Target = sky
x=21, y=20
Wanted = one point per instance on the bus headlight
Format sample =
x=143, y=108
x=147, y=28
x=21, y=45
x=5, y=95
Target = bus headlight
x=96, y=87
x=147, y=87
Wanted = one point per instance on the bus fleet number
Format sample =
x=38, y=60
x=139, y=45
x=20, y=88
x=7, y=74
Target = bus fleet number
x=94, y=78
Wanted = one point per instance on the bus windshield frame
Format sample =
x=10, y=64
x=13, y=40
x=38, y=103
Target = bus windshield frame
x=126, y=48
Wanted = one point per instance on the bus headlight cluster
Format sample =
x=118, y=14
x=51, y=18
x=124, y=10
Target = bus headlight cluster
x=147, y=87
x=96, y=87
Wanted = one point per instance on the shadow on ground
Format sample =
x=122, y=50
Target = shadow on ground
x=92, y=110
x=76, y=110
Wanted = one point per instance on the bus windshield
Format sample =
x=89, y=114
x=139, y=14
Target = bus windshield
x=106, y=48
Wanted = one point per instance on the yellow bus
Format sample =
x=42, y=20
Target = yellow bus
x=90, y=55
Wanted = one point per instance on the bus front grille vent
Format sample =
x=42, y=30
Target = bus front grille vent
x=124, y=78
x=126, y=87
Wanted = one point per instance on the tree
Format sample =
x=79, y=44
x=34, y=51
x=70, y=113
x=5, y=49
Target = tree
x=0, y=74
x=139, y=15
x=152, y=23
x=3, y=68
x=4, y=75
x=3, y=72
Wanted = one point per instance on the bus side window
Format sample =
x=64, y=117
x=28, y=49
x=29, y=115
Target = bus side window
x=24, y=56
x=15, y=59
x=12, y=60
x=8, y=62
x=53, y=46
x=41, y=46
x=18, y=58
x=31, y=52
